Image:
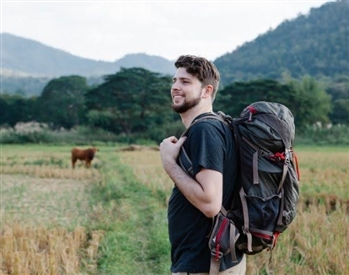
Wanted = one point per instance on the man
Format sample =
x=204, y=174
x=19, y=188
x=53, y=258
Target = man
x=195, y=201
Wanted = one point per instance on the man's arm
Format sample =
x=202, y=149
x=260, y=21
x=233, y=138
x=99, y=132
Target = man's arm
x=205, y=191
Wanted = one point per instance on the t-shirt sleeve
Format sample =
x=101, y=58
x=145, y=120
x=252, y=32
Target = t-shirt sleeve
x=205, y=146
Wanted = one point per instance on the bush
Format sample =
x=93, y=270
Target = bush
x=318, y=135
x=29, y=132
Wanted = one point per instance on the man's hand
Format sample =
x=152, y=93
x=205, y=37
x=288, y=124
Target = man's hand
x=169, y=150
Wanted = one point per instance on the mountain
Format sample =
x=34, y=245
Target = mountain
x=27, y=65
x=316, y=44
x=21, y=56
x=29, y=57
x=150, y=62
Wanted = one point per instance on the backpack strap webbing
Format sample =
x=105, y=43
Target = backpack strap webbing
x=246, y=228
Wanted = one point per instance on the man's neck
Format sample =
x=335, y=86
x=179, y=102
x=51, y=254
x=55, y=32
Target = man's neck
x=190, y=115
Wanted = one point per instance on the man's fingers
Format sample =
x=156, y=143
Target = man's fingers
x=174, y=139
x=181, y=141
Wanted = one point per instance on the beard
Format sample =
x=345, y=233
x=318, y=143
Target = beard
x=186, y=105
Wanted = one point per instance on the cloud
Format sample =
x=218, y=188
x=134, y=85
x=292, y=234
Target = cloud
x=107, y=30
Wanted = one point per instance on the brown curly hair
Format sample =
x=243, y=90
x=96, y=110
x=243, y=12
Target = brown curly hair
x=201, y=68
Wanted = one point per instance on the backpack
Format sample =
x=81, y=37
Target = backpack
x=268, y=188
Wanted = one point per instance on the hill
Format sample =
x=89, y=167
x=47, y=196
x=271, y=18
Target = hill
x=27, y=65
x=315, y=44
x=32, y=58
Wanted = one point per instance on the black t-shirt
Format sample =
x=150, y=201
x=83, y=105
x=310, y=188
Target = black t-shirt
x=209, y=145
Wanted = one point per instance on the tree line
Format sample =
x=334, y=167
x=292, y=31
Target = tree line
x=137, y=102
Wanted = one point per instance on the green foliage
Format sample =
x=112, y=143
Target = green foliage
x=62, y=101
x=133, y=106
x=16, y=108
x=306, y=99
x=311, y=105
x=235, y=97
x=131, y=99
x=315, y=135
x=34, y=132
x=31, y=132
x=339, y=91
x=315, y=44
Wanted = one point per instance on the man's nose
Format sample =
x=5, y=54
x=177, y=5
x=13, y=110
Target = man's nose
x=174, y=86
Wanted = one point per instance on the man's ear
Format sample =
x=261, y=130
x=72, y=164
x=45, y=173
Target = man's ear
x=208, y=91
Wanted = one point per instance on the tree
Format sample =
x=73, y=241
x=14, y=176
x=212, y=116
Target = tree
x=312, y=104
x=62, y=101
x=306, y=99
x=235, y=97
x=132, y=100
x=339, y=91
x=16, y=108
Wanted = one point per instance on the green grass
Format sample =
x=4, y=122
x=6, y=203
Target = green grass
x=135, y=223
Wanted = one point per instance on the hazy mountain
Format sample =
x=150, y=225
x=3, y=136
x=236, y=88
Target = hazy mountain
x=150, y=62
x=315, y=44
x=36, y=59
x=28, y=65
x=22, y=56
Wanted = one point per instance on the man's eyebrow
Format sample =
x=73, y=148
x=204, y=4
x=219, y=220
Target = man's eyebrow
x=181, y=78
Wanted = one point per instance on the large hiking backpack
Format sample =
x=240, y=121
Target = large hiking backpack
x=266, y=201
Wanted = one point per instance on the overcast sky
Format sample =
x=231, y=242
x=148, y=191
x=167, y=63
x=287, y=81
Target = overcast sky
x=108, y=30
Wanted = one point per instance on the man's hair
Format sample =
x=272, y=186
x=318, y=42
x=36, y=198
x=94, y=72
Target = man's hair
x=201, y=68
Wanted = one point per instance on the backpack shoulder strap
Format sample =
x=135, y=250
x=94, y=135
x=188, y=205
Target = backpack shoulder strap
x=183, y=158
x=219, y=116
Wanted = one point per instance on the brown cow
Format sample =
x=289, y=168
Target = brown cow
x=83, y=155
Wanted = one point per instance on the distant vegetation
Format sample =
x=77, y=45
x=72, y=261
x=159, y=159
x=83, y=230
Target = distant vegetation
x=134, y=105
x=315, y=44
x=303, y=64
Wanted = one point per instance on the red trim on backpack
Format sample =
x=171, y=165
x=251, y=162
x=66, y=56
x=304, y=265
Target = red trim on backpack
x=218, y=238
x=277, y=156
x=252, y=112
x=261, y=235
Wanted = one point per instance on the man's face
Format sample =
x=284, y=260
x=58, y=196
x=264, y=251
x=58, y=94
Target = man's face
x=186, y=91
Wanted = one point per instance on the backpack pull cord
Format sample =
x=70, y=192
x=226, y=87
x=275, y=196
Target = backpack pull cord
x=246, y=228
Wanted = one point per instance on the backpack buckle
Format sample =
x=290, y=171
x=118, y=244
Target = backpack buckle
x=216, y=254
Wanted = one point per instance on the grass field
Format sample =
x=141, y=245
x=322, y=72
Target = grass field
x=111, y=219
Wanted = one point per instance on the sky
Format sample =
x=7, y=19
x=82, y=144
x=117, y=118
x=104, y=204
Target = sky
x=108, y=30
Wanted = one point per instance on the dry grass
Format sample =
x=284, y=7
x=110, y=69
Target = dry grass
x=27, y=250
x=43, y=205
x=50, y=201
x=146, y=165
x=317, y=242
x=41, y=196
